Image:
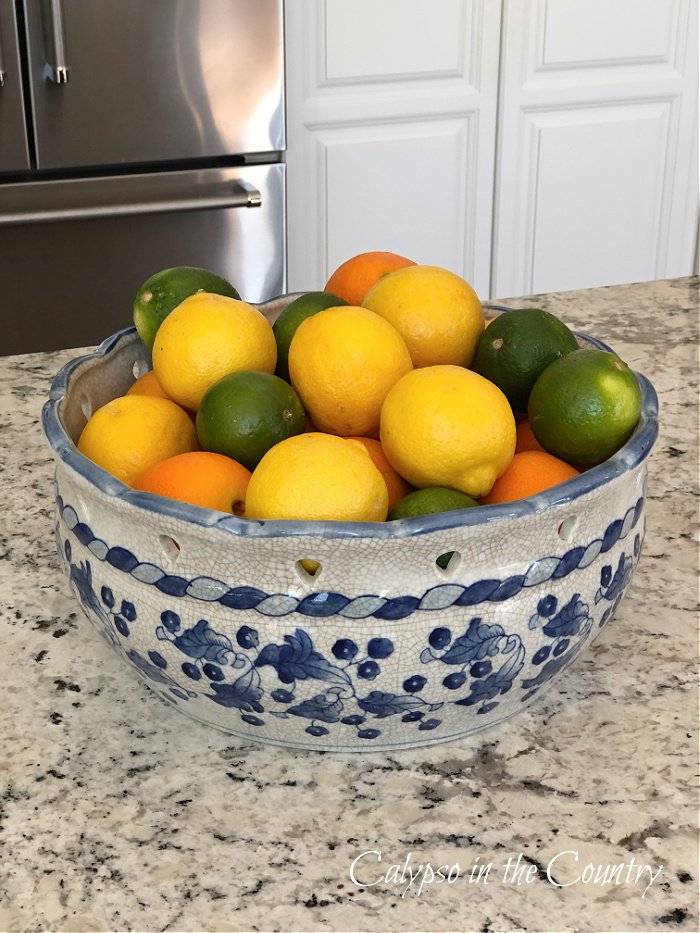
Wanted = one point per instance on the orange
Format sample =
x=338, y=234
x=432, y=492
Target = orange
x=147, y=385
x=210, y=480
x=354, y=278
x=342, y=362
x=525, y=439
x=395, y=484
x=530, y=472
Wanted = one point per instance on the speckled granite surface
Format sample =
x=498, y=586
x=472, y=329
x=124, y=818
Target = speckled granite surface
x=118, y=813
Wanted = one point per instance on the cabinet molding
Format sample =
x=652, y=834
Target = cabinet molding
x=391, y=151
x=595, y=159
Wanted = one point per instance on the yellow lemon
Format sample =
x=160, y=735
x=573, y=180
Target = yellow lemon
x=205, y=338
x=342, y=362
x=448, y=426
x=437, y=313
x=130, y=434
x=317, y=476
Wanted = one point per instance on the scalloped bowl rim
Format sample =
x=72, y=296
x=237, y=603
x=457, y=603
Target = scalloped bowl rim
x=630, y=455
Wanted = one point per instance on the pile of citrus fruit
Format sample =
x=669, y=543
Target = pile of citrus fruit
x=386, y=395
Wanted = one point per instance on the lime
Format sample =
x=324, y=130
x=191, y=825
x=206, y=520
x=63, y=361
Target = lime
x=286, y=324
x=584, y=406
x=244, y=414
x=516, y=347
x=166, y=289
x=429, y=500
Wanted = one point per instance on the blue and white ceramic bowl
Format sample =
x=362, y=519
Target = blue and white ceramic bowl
x=380, y=649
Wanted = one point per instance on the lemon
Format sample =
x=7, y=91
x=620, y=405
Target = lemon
x=162, y=292
x=448, y=426
x=437, y=313
x=207, y=337
x=317, y=476
x=342, y=362
x=289, y=320
x=130, y=434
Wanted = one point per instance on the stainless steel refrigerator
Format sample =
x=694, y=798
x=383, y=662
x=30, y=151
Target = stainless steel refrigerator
x=135, y=135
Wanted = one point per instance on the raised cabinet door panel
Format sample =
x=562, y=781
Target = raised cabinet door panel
x=586, y=221
x=401, y=188
x=366, y=39
x=391, y=125
x=634, y=32
x=596, y=166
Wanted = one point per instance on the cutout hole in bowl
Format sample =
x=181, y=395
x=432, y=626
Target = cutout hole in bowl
x=86, y=406
x=307, y=569
x=140, y=368
x=170, y=547
x=448, y=563
x=567, y=527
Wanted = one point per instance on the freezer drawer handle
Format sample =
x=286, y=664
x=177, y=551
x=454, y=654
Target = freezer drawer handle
x=243, y=195
x=58, y=71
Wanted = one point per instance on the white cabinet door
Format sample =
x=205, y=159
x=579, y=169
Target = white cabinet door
x=391, y=116
x=596, y=159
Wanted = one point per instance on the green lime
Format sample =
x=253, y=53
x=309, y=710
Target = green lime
x=584, y=406
x=244, y=414
x=286, y=324
x=429, y=500
x=516, y=347
x=166, y=290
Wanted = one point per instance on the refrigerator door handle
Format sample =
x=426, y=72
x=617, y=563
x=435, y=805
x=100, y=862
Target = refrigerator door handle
x=242, y=194
x=3, y=73
x=57, y=69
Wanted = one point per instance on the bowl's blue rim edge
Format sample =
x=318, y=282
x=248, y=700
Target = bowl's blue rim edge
x=634, y=451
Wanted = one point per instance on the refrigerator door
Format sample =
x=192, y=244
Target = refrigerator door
x=139, y=81
x=73, y=254
x=14, y=152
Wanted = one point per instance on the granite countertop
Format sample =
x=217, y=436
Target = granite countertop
x=118, y=813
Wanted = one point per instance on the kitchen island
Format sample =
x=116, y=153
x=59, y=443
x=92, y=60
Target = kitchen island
x=118, y=813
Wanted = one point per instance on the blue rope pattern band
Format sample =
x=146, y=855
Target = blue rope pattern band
x=320, y=605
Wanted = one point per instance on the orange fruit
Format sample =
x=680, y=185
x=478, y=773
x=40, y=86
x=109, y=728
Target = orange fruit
x=147, y=385
x=530, y=472
x=210, y=480
x=354, y=278
x=342, y=362
x=525, y=439
x=395, y=484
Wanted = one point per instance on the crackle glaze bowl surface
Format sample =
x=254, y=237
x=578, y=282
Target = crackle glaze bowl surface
x=380, y=649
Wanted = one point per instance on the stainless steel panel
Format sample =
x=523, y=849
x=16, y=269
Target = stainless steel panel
x=14, y=152
x=72, y=282
x=154, y=80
